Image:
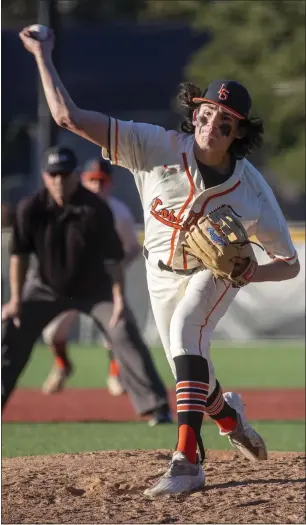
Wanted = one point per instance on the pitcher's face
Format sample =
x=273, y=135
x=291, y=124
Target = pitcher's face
x=215, y=128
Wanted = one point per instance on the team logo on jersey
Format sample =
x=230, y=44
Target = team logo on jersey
x=173, y=219
x=214, y=237
x=223, y=93
x=165, y=215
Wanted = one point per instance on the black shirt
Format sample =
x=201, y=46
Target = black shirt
x=212, y=177
x=71, y=243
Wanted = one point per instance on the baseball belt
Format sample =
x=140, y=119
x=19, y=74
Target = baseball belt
x=167, y=268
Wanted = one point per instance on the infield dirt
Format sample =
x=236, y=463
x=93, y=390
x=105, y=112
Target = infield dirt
x=107, y=487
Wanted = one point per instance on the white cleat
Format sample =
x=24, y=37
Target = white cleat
x=114, y=386
x=244, y=438
x=56, y=380
x=182, y=476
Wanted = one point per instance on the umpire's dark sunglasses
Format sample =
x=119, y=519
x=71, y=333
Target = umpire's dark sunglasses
x=60, y=173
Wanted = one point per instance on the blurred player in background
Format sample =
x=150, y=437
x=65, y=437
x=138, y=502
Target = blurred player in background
x=72, y=234
x=97, y=178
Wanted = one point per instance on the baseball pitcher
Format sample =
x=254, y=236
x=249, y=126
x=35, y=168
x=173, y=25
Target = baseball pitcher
x=202, y=201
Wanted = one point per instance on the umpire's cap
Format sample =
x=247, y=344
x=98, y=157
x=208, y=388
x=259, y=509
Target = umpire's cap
x=59, y=160
x=228, y=94
x=97, y=169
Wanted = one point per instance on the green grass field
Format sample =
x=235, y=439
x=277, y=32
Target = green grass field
x=253, y=365
x=20, y=439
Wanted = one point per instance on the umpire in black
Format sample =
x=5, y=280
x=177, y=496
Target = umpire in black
x=71, y=232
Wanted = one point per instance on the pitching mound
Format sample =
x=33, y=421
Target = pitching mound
x=107, y=487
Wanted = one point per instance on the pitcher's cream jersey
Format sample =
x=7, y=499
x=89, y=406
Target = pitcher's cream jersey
x=173, y=194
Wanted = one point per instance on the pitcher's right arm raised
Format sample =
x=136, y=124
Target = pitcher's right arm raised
x=135, y=146
x=90, y=125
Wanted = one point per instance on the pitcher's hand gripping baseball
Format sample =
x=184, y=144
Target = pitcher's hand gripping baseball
x=221, y=243
x=37, y=39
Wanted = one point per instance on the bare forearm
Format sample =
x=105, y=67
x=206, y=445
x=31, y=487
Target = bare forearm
x=116, y=273
x=62, y=107
x=90, y=125
x=276, y=270
x=18, y=270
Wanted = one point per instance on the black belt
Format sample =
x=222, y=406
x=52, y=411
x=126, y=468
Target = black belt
x=164, y=266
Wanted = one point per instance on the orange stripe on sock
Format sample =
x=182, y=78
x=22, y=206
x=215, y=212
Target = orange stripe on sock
x=187, y=395
x=187, y=442
x=113, y=368
x=215, y=412
x=191, y=384
x=227, y=424
x=216, y=404
x=190, y=408
x=217, y=408
x=60, y=362
x=216, y=401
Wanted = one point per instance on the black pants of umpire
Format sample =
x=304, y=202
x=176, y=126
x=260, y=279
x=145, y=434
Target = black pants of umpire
x=40, y=305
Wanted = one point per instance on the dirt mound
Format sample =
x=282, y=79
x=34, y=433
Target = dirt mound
x=107, y=487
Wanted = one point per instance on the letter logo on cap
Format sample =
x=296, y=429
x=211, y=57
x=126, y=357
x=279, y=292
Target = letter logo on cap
x=55, y=158
x=223, y=93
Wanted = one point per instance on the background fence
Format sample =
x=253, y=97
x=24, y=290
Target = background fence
x=259, y=311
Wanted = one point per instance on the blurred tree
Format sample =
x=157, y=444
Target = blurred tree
x=175, y=10
x=261, y=44
x=15, y=12
x=141, y=10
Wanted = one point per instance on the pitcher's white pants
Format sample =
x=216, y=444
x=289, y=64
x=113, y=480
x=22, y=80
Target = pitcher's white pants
x=186, y=311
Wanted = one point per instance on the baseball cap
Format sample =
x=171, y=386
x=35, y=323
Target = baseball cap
x=228, y=94
x=97, y=169
x=59, y=159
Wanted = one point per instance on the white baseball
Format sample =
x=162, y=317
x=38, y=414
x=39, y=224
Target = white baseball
x=39, y=32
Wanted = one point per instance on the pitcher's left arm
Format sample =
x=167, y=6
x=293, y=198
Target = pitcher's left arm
x=273, y=233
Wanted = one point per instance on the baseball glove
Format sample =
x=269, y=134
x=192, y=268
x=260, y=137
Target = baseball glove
x=221, y=243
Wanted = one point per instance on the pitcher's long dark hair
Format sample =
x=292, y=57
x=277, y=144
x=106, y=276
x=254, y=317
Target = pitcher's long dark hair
x=240, y=147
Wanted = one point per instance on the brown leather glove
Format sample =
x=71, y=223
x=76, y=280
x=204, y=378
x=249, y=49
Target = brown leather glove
x=220, y=241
